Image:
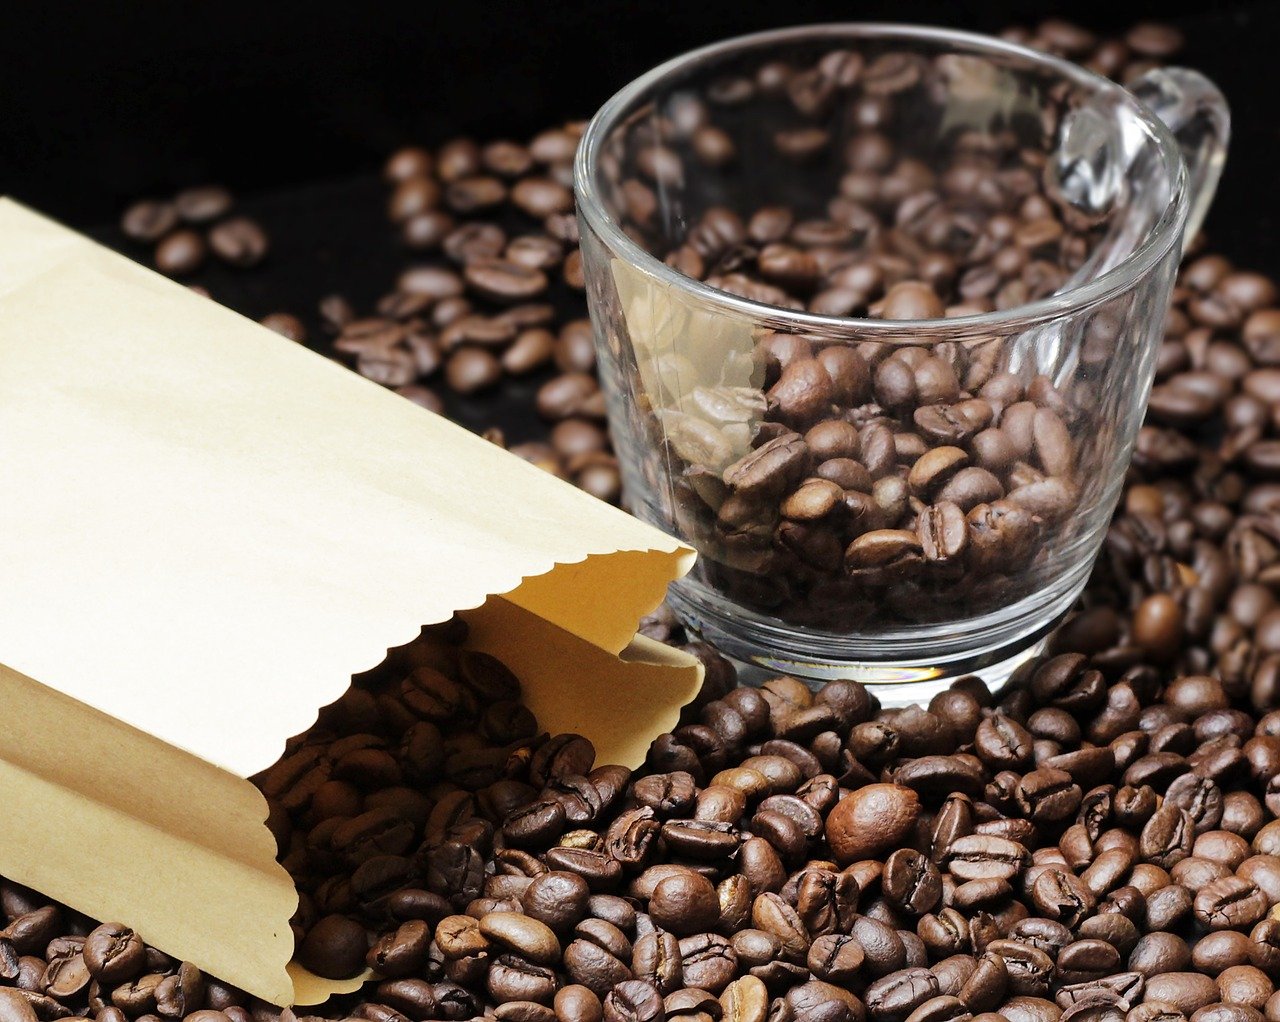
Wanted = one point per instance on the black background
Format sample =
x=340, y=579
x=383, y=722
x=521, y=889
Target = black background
x=102, y=102
x=295, y=106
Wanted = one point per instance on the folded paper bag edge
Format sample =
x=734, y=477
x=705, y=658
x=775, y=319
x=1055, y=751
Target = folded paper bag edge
x=668, y=559
x=117, y=835
x=50, y=876
x=25, y=650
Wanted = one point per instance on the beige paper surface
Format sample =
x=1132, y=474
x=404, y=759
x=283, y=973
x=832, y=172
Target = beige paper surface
x=205, y=530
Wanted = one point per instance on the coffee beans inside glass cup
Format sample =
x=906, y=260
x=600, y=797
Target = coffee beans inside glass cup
x=876, y=311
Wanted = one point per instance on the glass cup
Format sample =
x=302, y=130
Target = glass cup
x=880, y=487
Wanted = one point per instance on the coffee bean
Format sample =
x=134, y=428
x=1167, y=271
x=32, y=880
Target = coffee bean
x=149, y=221
x=1229, y=903
x=744, y=1000
x=113, y=954
x=943, y=532
x=504, y=281
x=239, y=242
x=575, y=1003
x=334, y=948
x=911, y=881
x=870, y=820
x=180, y=253
x=897, y=995
x=403, y=952
x=1184, y=991
x=203, y=204
x=656, y=959
x=684, y=903
x=1167, y=837
x=521, y=935
x=984, y=857
x=512, y=978
x=634, y=1001
x=470, y=370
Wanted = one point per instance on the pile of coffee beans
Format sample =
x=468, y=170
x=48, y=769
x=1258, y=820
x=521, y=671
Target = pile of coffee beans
x=385, y=812
x=500, y=217
x=1100, y=843
x=197, y=221
x=878, y=491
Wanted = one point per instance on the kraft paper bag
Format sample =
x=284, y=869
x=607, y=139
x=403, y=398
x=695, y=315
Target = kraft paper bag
x=205, y=531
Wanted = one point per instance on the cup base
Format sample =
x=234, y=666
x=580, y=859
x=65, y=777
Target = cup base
x=899, y=672
x=895, y=691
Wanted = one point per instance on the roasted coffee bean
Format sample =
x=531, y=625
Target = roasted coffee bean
x=1186, y=992
x=835, y=958
x=558, y=899
x=521, y=935
x=656, y=959
x=114, y=954
x=911, y=882
x=403, y=952
x=239, y=242
x=1167, y=837
x=1048, y=795
x=149, y=221
x=181, y=253
x=203, y=203
x=871, y=819
x=984, y=857
x=575, y=1003
x=511, y=978
x=684, y=903
x=897, y=995
x=634, y=1001
x=504, y=281
x=746, y=999
x=1230, y=903
x=334, y=947
x=1029, y=969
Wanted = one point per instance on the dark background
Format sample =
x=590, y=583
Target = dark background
x=102, y=102
x=296, y=106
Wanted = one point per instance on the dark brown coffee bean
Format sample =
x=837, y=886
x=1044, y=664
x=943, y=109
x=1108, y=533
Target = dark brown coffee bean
x=203, y=204
x=943, y=532
x=511, y=978
x=576, y=1003
x=504, y=281
x=149, y=221
x=239, y=242
x=684, y=903
x=634, y=1001
x=1184, y=991
x=911, y=881
x=470, y=369
x=656, y=960
x=897, y=995
x=180, y=253
x=984, y=857
x=403, y=952
x=114, y=954
x=334, y=948
x=870, y=820
x=1167, y=837
x=1231, y=903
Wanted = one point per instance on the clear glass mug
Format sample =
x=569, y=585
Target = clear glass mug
x=900, y=501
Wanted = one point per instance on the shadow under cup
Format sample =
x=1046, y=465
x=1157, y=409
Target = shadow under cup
x=895, y=501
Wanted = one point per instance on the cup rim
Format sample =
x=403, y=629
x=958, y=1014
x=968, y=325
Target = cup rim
x=1159, y=239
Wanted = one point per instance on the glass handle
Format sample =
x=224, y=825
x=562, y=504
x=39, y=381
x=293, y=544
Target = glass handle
x=1196, y=112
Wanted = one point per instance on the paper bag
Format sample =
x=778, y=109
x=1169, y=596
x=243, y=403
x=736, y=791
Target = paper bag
x=205, y=530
